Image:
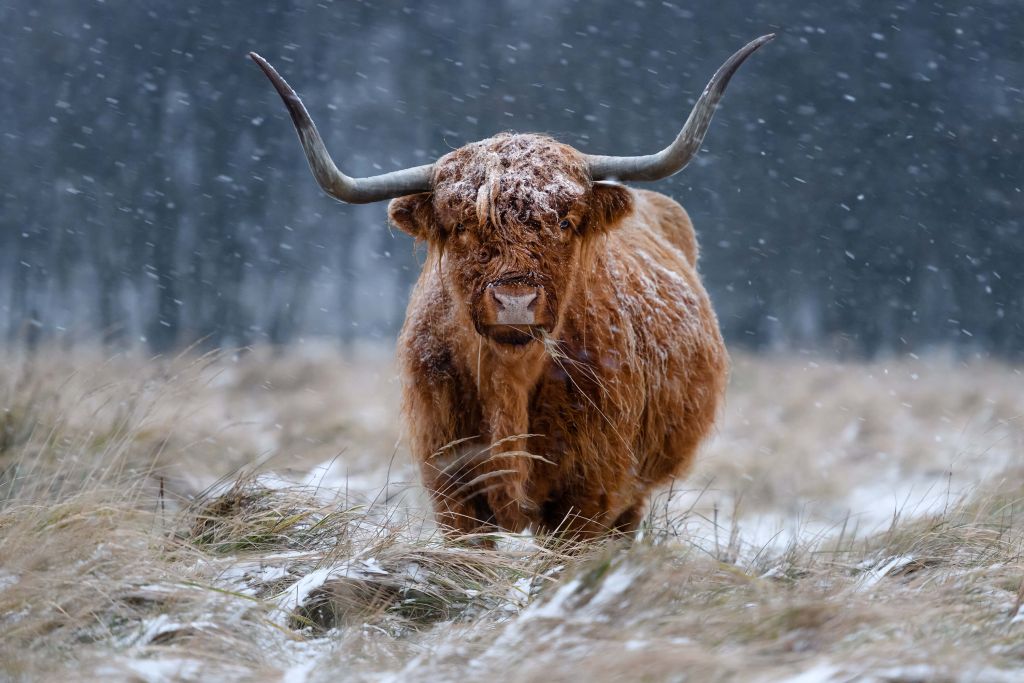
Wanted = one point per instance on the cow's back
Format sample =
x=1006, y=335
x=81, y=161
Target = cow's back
x=665, y=216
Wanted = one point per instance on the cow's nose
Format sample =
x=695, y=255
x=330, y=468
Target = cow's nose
x=515, y=304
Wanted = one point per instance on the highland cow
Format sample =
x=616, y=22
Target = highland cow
x=560, y=356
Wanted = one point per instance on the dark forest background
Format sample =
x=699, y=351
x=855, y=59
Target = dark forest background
x=859, y=191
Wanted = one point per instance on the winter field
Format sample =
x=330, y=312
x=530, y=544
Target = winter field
x=255, y=516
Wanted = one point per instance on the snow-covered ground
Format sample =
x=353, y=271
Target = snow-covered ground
x=257, y=517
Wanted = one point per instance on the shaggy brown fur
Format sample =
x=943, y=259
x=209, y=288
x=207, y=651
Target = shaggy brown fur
x=569, y=423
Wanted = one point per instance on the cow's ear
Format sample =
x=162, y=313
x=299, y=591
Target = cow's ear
x=414, y=214
x=609, y=204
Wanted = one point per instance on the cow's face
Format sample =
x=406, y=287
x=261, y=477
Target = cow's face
x=511, y=216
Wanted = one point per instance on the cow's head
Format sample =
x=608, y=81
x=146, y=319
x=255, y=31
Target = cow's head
x=510, y=214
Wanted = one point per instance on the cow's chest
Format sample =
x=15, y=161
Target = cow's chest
x=569, y=409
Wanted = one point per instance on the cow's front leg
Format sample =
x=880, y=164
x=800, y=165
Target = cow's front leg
x=460, y=506
x=505, y=477
x=445, y=440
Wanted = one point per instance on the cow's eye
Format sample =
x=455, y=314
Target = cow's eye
x=459, y=228
x=565, y=225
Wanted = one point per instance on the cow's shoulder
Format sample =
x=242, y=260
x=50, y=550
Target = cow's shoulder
x=668, y=220
x=428, y=341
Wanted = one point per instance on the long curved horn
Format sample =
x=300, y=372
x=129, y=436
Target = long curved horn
x=331, y=180
x=673, y=158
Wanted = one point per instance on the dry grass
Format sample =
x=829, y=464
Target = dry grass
x=255, y=517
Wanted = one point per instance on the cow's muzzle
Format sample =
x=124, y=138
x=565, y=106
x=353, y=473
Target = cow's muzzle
x=514, y=304
x=514, y=312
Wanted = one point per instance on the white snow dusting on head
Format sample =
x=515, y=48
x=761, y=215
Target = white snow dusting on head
x=510, y=178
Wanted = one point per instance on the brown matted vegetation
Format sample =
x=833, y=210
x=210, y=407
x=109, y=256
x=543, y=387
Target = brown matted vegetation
x=254, y=516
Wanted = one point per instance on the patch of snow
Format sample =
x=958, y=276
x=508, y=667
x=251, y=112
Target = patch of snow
x=8, y=579
x=914, y=672
x=151, y=628
x=165, y=670
x=522, y=542
x=268, y=574
x=883, y=568
x=555, y=606
x=14, y=617
x=158, y=588
x=518, y=595
x=874, y=506
x=371, y=566
x=288, y=555
x=162, y=623
x=334, y=476
x=296, y=594
x=612, y=587
x=823, y=672
x=299, y=673
x=414, y=573
x=559, y=607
